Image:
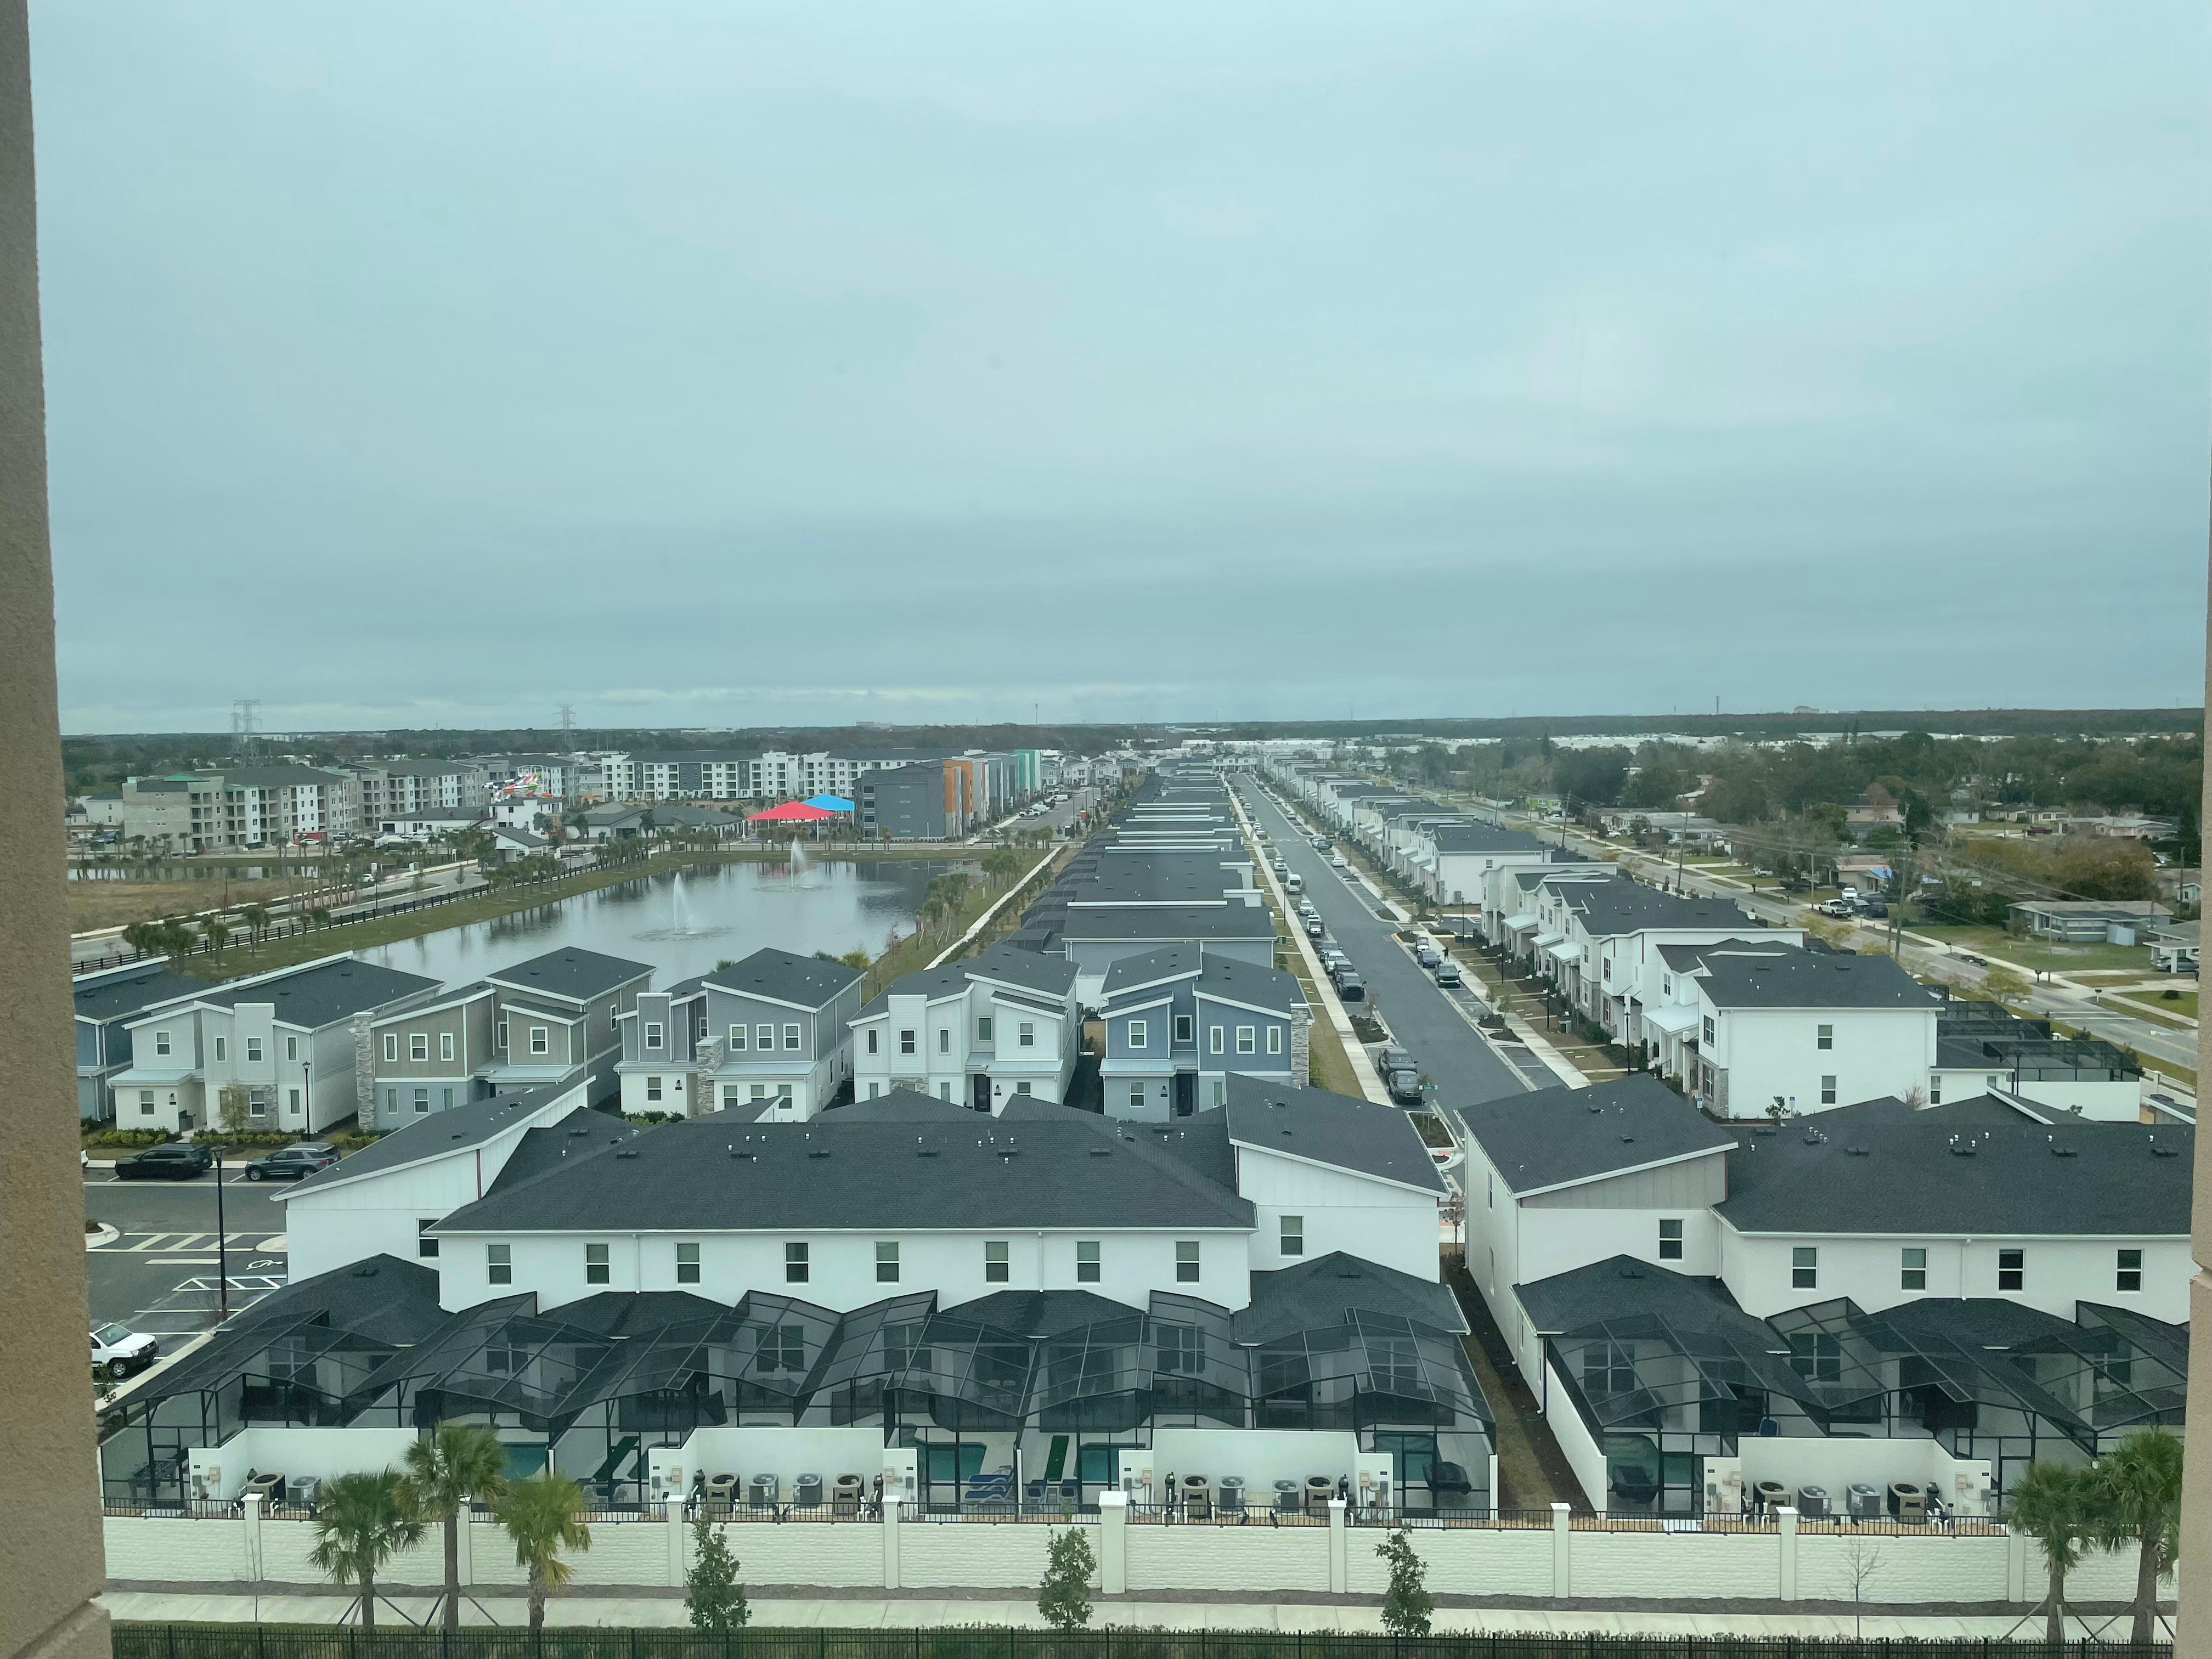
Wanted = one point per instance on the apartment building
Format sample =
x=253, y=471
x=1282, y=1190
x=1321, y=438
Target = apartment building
x=398, y=789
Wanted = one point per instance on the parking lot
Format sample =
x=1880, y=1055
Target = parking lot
x=159, y=1275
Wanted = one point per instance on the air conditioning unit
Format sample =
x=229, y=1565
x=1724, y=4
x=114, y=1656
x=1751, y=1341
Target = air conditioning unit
x=1812, y=1503
x=1864, y=1499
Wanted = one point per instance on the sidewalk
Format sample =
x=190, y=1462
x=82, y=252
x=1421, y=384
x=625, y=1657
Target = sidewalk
x=833, y=1611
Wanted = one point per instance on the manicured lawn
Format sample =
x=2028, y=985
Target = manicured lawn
x=2038, y=953
x=2185, y=1004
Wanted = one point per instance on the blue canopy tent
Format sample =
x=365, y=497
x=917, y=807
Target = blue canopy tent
x=829, y=803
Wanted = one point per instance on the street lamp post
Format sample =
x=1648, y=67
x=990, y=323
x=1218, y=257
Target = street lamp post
x=221, y=1245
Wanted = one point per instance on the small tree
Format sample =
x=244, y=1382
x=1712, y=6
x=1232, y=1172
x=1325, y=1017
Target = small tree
x=1064, y=1591
x=2137, y=1486
x=362, y=1522
x=460, y=1463
x=540, y=1515
x=1861, y=1561
x=1406, y=1603
x=712, y=1594
x=2052, y=1503
x=232, y=1103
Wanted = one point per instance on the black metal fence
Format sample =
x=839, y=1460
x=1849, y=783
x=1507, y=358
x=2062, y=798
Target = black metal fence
x=992, y=1642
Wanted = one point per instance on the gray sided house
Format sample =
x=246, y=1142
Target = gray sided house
x=107, y=1001
x=1095, y=939
x=556, y=1020
x=1180, y=1023
x=426, y=1054
x=766, y=1038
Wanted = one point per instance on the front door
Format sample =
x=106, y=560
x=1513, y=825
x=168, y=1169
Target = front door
x=980, y=1096
x=1186, y=1093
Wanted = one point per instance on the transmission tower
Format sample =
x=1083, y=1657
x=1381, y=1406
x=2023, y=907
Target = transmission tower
x=567, y=728
x=245, y=721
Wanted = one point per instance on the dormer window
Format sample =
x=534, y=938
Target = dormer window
x=653, y=1034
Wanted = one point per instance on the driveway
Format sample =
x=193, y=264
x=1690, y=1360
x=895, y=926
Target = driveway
x=1421, y=1016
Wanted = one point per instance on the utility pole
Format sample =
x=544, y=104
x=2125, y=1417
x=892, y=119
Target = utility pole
x=222, y=1243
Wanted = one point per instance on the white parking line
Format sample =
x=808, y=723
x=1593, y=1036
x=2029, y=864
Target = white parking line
x=181, y=1261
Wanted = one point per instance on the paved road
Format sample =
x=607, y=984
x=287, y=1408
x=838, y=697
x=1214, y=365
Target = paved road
x=160, y=1276
x=1463, y=1067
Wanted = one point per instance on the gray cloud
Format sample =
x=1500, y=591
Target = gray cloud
x=726, y=364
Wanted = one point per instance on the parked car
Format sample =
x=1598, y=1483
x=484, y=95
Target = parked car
x=1393, y=1059
x=1839, y=907
x=1874, y=907
x=1448, y=972
x=1405, y=1087
x=1334, y=961
x=1337, y=859
x=118, y=1350
x=1427, y=954
x=1281, y=869
x=1320, y=843
x=173, y=1160
x=293, y=1163
x=1294, y=883
x=1314, y=929
x=1351, y=988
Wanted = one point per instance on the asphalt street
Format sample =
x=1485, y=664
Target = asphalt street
x=1425, y=1022
x=160, y=1276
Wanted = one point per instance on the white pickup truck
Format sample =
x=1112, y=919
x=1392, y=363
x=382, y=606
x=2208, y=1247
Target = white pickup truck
x=118, y=1350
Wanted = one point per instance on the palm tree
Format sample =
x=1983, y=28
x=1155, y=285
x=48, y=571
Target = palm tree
x=362, y=1522
x=2053, y=1504
x=2138, y=1500
x=540, y=1515
x=460, y=1463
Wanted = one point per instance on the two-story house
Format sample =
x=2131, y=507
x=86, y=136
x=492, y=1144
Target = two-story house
x=286, y=1038
x=768, y=1037
x=427, y=1053
x=107, y=1001
x=978, y=1032
x=1180, y=1022
x=555, y=1020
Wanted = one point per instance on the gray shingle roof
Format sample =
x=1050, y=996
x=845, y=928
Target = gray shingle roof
x=580, y=1135
x=320, y=996
x=1685, y=959
x=1625, y=905
x=1622, y=1287
x=1051, y=977
x=1323, y=1127
x=465, y=1125
x=385, y=1298
x=1909, y=1176
x=1810, y=978
x=1150, y=967
x=1169, y=923
x=782, y=976
x=719, y=1173
x=572, y=972
x=1558, y=1136
x=1485, y=838
x=118, y=997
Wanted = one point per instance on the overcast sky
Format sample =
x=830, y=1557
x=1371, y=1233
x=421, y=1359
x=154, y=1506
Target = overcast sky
x=729, y=363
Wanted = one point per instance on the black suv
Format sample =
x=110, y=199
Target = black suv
x=173, y=1160
x=293, y=1163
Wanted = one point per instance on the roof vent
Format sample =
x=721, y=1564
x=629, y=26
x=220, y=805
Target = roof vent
x=628, y=1152
x=1632, y=1272
x=580, y=1130
x=1627, y=1140
x=1854, y=1152
x=926, y=1151
x=2057, y=1150
x=364, y=1273
x=819, y=1151
x=1962, y=1149
x=2157, y=1151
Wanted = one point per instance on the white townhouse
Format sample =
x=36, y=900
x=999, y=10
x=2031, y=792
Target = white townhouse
x=978, y=1032
x=1181, y=1023
x=1936, y=1296
x=768, y=1037
x=286, y=1036
x=1451, y=859
x=1813, y=1029
x=1523, y=907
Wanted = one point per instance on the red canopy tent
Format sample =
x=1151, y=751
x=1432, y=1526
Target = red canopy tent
x=796, y=811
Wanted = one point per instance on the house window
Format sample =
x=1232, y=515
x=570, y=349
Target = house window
x=653, y=1088
x=2129, y=1276
x=500, y=1035
x=1912, y=1268
x=1670, y=1241
x=791, y=1038
x=292, y=1102
x=1247, y=1040
x=425, y=1246
x=783, y=1093
x=499, y=1264
x=795, y=1264
x=1136, y=1034
x=1935, y=1088
x=1025, y=1035
x=1605, y=970
x=145, y=1103
x=1136, y=1096
x=422, y=1102
x=160, y=1043
x=1805, y=1267
x=1275, y=1039
x=875, y=1089
x=418, y=1046
x=1216, y=1039
x=764, y=1038
x=1220, y=1091
x=653, y=1034
x=738, y=1040
x=2012, y=1269
x=219, y=1047
x=1665, y=985
x=1183, y=1024
x=906, y=1042
x=1824, y=1036
x=1708, y=1030
x=1828, y=1089
x=291, y=1048
x=444, y=1045
x=887, y=1262
x=983, y=1028
x=1294, y=1235
x=391, y=1046
x=1023, y=1089
x=539, y=1043
x=1086, y=1261
x=446, y=1099
x=253, y=1049
x=944, y=1091
x=997, y=1270
x=944, y=1039
x=1186, y=1261
x=595, y=1264
x=687, y=1264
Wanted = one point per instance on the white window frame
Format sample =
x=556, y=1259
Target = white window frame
x=161, y=1042
x=1025, y=1035
x=499, y=1264
x=738, y=1034
x=1138, y=1036
x=418, y=1046
x=653, y=1034
x=687, y=1267
x=541, y=1042
x=1217, y=1037
x=798, y=1262
x=1292, y=1238
x=391, y=1046
x=1275, y=1039
x=1188, y=1265
x=887, y=1257
x=997, y=1262
x=444, y=1045
x=792, y=1040
x=1248, y=1039
x=764, y=1039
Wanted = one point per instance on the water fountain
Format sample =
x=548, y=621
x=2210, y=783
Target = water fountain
x=681, y=923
